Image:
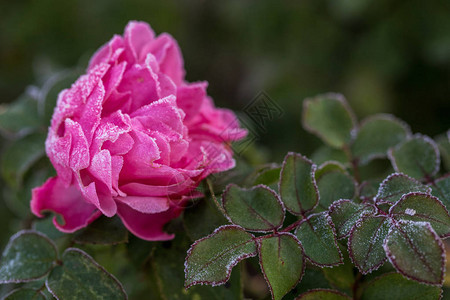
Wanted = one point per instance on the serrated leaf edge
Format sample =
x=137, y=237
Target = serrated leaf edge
x=417, y=136
x=277, y=197
x=230, y=267
x=387, y=117
x=262, y=268
x=378, y=199
x=330, y=162
x=313, y=177
x=335, y=96
x=333, y=229
x=96, y=264
x=338, y=202
x=437, y=239
x=406, y=196
x=350, y=251
x=26, y=232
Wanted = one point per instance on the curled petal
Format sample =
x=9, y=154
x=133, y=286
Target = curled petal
x=67, y=202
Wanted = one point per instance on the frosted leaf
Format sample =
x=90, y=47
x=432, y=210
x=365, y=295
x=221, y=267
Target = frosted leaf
x=318, y=238
x=425, y=208
x=410, y=211
x=376, y=135
x=345, y=214
x=418, y=157
x=256, y=209
x=330, y=118
x=210, y=259
x=441, y=189
x=416, y=251
x=28, y=256
x=365, y=244
x=282, y=263
x=398, y=184
x=297, y=186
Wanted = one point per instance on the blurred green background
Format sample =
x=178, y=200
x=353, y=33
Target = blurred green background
x=384, y=56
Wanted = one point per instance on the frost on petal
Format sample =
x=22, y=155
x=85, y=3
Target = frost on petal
x=168, y=55
x=67, y=202
x=146, y=205
x=216, y=124
x=97, y=193
x=79, y=154
x=137, y=35
x=106, y=52
x=148, y=226
x=142, y=85
x=113, y=77
x=190, y=98
x=58, y=151
x=132, y=133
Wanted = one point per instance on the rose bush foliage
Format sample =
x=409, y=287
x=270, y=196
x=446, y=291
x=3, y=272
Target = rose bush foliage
x=131, y=137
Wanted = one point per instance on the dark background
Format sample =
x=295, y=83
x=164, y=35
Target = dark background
x=384, y=56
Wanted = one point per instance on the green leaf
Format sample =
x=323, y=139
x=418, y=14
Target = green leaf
x=18, y=158
x=325, y=153
x=328, y=167
x=25, y=294
x=282, y=263
x=365, y=244
x=28, y=256
x=81, y=277
x=318, y=238
x=334, y=183
x=21, y=117
x=416, y=251
x=257, y=209
x=298, y=188
x=345, y=214
x=210, y=260
x=268, y=175
x=376, y=135
x=202, y=218
x=323, y=294
x=441, y=189
x=166, y=264
x=103, y=231
x=329, y=117
x=398, y=184
x=417, y=157
x=423, y=208
x=395, y=287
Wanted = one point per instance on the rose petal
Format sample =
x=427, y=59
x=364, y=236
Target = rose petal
x=147, y=205
x=137, y=35
x=190, y=98
x=68, y=202
x=106, y=52
x=148, y=226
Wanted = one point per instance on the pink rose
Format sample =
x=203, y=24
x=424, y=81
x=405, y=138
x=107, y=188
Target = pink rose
x=132, y=137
